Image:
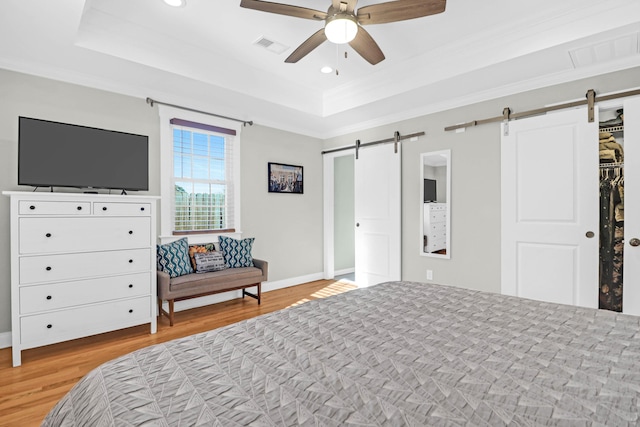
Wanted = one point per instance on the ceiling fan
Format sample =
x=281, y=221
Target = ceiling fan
x=343, y=24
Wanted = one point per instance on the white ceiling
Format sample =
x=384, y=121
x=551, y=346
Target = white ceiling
x=202, y=55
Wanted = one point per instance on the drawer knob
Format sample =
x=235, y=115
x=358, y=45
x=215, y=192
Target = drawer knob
x=79, y=208
x=49, y=326
x=104, y=208
x=32, y=207
x=142, y=209
x=130, y=286
x=48, y=234
x=48, y=268
x=130, y=261
x=130, y=231
x=48, y=296
x=130, y=310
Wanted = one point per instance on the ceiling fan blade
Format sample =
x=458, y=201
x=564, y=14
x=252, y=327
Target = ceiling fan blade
x=309, y=44
x=367, y=47
x=284, y=9
x=399, y=10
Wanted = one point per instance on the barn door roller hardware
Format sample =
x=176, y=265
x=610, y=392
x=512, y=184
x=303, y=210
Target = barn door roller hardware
x=590, y=101
x=396, y=139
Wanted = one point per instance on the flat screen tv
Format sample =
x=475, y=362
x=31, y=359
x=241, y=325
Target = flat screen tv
x=53, y=154
x=430, y=190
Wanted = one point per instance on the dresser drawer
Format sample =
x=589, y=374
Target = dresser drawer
x=51, y=235
x=53, y=268
x=26, y=207
x=438, y=216
x=37, y=298
x=47, y=328
x=121, y=209
x=437, y=228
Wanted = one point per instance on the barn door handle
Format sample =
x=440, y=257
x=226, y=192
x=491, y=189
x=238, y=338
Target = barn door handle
x=634, y=242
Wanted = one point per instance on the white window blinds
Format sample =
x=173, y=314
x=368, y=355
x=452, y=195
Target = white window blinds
x=202, y=177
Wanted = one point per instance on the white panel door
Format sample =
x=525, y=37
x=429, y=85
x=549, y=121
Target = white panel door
x=377, y=214
x=631, y=268
x=550, y=213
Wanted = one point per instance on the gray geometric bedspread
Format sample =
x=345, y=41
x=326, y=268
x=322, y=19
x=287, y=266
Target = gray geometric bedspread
x=395, y=354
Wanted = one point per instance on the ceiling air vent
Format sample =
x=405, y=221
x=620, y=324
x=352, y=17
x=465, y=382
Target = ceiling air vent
x=270, y=45
x=610, y=50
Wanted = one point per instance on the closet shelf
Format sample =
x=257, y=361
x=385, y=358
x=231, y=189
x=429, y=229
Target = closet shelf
x=613, y=129
x=611, y=165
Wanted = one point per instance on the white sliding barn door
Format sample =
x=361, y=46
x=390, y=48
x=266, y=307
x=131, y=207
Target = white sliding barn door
x=377, y=214
x=550, y=211
x=631, y=266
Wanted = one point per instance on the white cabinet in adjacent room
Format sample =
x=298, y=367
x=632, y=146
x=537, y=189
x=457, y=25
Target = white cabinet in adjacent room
x=435, y=227
x=81, y=264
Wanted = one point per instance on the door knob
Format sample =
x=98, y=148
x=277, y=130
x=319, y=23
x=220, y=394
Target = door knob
x=634, y=242
x=357, y=224
x=590, y=234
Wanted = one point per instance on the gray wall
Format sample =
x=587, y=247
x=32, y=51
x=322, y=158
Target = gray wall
x=343, y=193
x=287, y=227
x=475, y=175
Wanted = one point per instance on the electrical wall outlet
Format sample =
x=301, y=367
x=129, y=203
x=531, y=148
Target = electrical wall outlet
x=429, y=274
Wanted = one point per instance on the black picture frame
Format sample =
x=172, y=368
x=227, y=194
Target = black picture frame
x=284, y=178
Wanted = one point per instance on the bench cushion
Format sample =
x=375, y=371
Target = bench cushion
x=212, y=279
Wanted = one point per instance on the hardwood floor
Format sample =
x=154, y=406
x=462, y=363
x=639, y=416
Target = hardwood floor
x=28, y=392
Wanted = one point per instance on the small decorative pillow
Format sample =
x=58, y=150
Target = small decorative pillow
x=173, y=258
x=237, y=253
x=201, y=248
x=209, y=261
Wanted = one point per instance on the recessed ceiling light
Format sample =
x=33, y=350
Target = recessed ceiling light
x=176, y=3
x=326, y=70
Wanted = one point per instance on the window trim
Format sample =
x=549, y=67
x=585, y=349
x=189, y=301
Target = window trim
x=167, y=113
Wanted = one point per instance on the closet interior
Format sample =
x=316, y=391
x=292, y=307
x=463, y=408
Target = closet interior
x=611, y=149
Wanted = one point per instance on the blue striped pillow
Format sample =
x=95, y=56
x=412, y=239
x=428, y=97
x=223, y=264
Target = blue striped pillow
x=173, y=258
x=237, y=253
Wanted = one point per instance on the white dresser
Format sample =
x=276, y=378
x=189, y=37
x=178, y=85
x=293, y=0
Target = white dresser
x=81, y=264
x=435, y=227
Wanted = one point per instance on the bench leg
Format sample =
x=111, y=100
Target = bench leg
x=170, y=312
x=257, y=295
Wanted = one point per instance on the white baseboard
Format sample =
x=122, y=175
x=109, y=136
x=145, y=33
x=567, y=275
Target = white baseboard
x=5, y=339
x=344, y=271
x=226, y=296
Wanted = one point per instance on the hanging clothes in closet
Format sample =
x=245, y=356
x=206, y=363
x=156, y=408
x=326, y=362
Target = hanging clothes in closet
x=611, y=220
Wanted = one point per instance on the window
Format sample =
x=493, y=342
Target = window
x=203, y=178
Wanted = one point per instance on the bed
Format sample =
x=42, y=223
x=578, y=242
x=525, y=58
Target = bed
x=395, y=354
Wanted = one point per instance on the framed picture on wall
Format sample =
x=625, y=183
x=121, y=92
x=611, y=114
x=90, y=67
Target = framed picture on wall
x=285, y=178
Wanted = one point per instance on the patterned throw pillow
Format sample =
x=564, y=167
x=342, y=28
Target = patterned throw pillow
x=201, y=248
x=237, y=253
x=209, y=261
x=173, y=258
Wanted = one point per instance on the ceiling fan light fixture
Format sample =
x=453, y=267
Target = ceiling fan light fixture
x=341, y=28
x=176, y=3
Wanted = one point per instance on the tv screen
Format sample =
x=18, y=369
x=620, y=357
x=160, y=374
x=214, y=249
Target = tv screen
x=52, y=154
x=430, y=190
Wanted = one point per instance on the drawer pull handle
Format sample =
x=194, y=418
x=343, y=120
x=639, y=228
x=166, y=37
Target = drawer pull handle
x=48, y=234
x=130, y=261
x=130, y=286
x=48, y=268
x=48, y=296
x=131, y=310
x=32, y=207
x=79, y=208
x=130, y=232
x=49, y=326
x=104, y=208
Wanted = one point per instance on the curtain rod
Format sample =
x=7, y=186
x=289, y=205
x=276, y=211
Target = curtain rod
x=508, y=116
x=382, y=141
x=153, y=101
